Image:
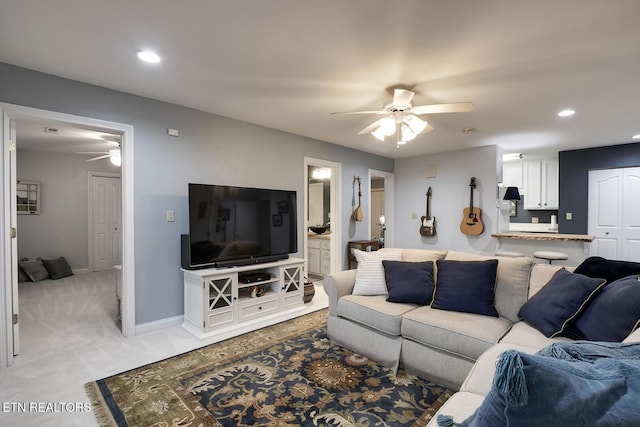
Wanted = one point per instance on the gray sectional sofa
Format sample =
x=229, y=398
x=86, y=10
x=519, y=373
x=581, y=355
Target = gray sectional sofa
x=454, y=349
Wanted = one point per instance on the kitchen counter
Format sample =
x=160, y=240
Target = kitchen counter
x=545, y=236
x=576, y=246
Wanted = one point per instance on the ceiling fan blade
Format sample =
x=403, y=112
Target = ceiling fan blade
x=98, y=158
x=402, y=98
x=455, y=107
x=371, y=127
x=428, y=129
x=361, y=112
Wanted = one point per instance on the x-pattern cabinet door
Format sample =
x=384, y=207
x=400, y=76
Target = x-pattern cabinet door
x=220, y=300
x=291, y=285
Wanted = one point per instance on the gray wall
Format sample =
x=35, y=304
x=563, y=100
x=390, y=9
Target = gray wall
x=574, y=179
x=450, y=195
x=210, y=149
x=62, y=226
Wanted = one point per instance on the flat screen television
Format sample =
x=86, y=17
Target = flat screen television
x=230, y=226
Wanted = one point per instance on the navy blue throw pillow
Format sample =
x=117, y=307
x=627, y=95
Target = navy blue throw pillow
x=466, y=286
x=614, y=313
x=560, y=301
x=608, y=269
x=409, y=281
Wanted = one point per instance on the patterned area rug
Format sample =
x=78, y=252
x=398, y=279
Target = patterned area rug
x=284, y=375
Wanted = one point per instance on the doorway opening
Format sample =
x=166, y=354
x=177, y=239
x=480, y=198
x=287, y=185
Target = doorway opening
x=8, y=260
x=322, y=206
x=381, y=207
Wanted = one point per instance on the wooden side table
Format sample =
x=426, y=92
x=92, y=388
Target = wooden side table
x=361, y=245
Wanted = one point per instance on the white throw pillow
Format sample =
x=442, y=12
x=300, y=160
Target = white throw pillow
x=370, y=272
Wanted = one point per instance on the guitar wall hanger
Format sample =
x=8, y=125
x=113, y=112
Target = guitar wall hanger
x=471, y=223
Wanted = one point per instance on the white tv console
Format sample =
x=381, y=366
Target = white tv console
x=217, y=304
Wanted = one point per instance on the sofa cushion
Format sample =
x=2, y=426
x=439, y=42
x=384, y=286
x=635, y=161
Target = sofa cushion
x=614, y=313
x=607, y=269
x=523, y=334
x=512, y=286
x=421, y=255
x=460, y=406
x=560, y=301
x=464, y=334
x=467, y=286
x=409, y=281
x=370, y=273
x=374, y=311
x=481, y=375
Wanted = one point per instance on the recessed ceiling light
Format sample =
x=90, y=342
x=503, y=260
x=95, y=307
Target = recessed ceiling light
x=566, y=113
x=636, y=136
x=148, y=56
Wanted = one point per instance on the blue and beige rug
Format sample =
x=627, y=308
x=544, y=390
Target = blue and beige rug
x=284, y=375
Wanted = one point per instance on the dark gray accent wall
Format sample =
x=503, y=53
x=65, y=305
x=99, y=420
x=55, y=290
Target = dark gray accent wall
x=574, y=179
x=211, y=149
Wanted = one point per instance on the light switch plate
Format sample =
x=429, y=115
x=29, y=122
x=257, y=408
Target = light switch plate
x=170, y=216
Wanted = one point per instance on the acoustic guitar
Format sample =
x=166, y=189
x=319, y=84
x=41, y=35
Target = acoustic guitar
x=427, y=223
x=471, y=223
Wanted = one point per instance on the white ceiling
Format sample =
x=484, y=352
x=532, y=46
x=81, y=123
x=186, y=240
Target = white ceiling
x=287, y=64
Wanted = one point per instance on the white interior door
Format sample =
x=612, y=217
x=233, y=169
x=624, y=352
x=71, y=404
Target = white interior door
x=614, y=211
x=631, y=215
x=106, y=220
x=14, y=240
x=605, y=212
x=377, y=209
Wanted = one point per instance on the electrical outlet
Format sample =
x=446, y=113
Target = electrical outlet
x=170, y=216
x=414, y=215
x=569, y=216
x=534, y=219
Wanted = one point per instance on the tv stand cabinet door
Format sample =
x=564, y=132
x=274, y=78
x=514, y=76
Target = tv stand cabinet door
x=292, y=285
x=219, y=300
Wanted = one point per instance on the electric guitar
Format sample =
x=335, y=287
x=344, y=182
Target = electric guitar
x=471, y=223
x=428, y=224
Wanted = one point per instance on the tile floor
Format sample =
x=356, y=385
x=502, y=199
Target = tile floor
x=69, y=337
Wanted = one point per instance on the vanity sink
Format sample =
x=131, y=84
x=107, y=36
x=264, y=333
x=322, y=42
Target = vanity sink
x=319, y=229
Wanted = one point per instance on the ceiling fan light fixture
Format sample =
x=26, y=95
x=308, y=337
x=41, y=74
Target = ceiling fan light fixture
x=407, y=133
x=388, y=126
x=115, y=157
x=416, y=124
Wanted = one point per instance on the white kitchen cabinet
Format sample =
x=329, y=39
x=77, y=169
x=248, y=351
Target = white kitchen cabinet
x=541, y=184
x=513, y=175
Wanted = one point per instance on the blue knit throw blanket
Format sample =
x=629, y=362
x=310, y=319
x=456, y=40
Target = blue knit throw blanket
x=578, y=383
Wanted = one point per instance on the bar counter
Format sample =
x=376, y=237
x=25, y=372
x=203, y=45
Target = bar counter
x=576, y=246
x=544, y=236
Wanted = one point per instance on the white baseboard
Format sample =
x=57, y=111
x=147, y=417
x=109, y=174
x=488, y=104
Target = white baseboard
x=157, y=325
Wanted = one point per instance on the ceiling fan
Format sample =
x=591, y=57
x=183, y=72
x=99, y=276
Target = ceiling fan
x=401, y=117
x=114, y=156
